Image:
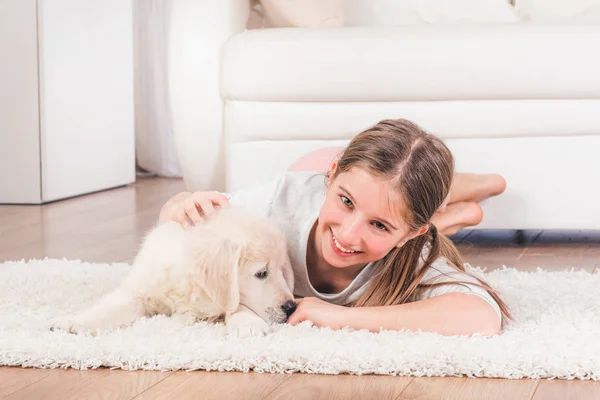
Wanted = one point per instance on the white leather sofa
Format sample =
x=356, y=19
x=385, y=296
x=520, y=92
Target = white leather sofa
x=522, y=100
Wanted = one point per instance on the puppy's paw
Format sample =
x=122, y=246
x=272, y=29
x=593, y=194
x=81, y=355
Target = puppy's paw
x=70, y=324
x=185, y=319
x=243, y=324
x=61, y=324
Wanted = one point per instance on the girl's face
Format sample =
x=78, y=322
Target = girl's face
x=360, y=220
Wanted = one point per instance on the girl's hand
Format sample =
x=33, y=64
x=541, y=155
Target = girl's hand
x=189, y=209
x=319, y=312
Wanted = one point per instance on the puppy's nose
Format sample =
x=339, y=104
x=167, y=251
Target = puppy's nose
x=289, y=307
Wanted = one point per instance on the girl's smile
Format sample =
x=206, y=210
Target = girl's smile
x=340, y=249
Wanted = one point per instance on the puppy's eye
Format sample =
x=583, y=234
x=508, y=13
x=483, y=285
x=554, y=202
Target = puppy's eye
x=261, y=274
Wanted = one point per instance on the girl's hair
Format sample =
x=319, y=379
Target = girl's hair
x=420, y=168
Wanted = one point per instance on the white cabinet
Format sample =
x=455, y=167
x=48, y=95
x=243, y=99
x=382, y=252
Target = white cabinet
x=66, y=98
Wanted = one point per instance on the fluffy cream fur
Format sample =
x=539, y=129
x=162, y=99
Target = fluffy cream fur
x=234, y=266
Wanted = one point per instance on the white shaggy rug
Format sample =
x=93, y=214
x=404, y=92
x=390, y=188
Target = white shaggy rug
x=555, y=335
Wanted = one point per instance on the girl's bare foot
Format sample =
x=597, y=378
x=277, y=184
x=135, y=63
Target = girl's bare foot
x=457, y=216
x=466, y=192
x=475, y=187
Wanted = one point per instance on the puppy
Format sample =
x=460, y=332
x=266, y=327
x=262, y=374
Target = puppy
x=233, y=267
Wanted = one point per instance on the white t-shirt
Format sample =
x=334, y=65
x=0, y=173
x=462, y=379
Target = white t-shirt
x=293, y=202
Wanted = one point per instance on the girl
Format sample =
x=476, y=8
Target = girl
x=364, y=246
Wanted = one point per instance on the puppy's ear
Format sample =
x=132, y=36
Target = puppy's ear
x=219, y=263
x=288, y=275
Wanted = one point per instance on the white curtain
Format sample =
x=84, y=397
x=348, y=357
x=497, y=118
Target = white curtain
x=155, y=145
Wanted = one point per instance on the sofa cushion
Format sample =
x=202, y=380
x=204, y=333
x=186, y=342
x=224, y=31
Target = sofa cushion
x=305, y=13
x=432, y=62
x=571, y=11
x=404, y=12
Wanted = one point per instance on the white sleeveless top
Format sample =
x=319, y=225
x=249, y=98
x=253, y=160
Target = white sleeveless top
x=293, y=202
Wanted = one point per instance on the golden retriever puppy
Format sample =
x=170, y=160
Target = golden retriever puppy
x=233, y=267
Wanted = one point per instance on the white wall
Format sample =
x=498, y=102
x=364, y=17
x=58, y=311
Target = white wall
x=19, y=120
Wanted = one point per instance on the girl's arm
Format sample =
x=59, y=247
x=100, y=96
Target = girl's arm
x=447, y=314
x=186, y=205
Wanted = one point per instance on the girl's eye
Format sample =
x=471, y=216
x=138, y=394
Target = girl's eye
x=346, y=201
x=380, y=226
x=261, y=274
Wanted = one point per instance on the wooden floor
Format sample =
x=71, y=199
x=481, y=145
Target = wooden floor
x=107, y=227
